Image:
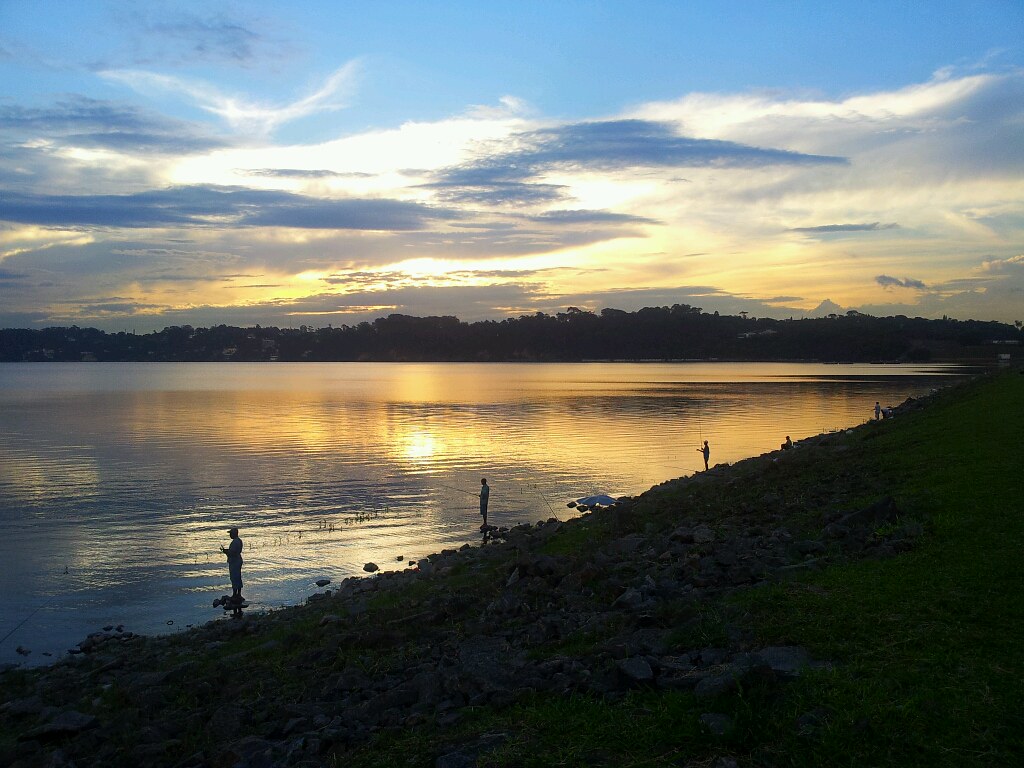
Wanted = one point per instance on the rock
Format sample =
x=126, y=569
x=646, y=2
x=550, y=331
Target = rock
x=625, y=545
x=30, y=706
x=786, y=661
x=467, y=755
x=703, y=534
x=371, y=567
x=630, y=599
x=636, y=670
x=811, y=722
x=711, y=657
x=456, y=760
x=717, y=684
x=541, y=565
x=809, y=547
x=682, y=535
x=322, y=582
x=67, y=723
x=716, y=723
x=882, y=511
x=250, y=750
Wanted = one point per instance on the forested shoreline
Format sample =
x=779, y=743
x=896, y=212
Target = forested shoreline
x=679, y=332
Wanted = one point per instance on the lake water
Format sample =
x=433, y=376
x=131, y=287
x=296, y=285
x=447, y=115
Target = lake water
x=118, y=481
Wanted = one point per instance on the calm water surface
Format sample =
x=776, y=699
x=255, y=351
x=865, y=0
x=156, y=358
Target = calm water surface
x=117, y=481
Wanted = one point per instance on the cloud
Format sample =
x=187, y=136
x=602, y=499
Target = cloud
x=243, y=113
x=7, y=275
x=498, y=193
x=894, y=282
x=83, y=122
x=828, y=228
x=472, y=303
x=500, y=175
x=210, y=206
x=615, y=144
x=589, y=217
x=298, y=173
x=1004, y=265
x=215, y=38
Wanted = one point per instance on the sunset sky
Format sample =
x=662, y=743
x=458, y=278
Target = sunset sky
x=169, y=163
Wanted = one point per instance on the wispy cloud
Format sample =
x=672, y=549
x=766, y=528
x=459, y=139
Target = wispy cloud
x=589, y=217
x=165, y=36
x=214, y=38
x=828, y=228
x=298, y=173
x=243, y=113
x=894, y=282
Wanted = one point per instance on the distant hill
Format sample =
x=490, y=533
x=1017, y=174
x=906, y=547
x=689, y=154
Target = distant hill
x=679, y=332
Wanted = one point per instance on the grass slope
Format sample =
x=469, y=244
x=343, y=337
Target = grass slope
x=926, y=646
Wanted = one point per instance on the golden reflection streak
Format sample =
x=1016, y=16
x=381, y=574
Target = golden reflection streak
x=35, y=476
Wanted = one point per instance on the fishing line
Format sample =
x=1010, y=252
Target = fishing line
x=21, y=624
x=458, y=490
x=23, y=621
x=540, y=496
x=544, y=498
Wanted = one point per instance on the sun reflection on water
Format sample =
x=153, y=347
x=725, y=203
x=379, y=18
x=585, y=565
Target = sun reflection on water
x=129, y=476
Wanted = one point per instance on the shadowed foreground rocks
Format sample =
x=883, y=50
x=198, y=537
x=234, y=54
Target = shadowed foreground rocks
x=597, y=606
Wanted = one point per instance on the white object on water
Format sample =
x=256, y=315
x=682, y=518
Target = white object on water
x=600, y=500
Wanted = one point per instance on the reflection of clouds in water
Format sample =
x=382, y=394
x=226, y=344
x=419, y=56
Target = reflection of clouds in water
x=327, y=467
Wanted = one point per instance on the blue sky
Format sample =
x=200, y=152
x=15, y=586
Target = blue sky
x=314, y=163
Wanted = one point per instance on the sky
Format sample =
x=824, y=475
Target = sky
x=326, y=163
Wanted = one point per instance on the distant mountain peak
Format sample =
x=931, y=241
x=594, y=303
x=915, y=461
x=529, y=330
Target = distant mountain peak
x=826, y=308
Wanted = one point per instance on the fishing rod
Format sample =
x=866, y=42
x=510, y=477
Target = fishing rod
x=21, y=624
x=545, y=500
x=458, y=490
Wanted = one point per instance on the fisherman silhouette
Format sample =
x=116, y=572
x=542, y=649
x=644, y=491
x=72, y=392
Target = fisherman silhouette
x=234, y=554
x=485, y=494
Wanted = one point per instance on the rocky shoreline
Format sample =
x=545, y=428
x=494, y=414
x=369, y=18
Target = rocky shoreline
x=598, y=606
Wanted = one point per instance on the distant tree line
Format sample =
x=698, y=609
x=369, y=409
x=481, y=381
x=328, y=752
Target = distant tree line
x=679, y=332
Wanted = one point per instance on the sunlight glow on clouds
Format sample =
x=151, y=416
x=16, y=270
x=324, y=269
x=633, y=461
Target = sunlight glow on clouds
x=158, y=187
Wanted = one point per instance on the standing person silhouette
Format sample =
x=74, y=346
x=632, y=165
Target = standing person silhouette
x=485, y=494
x=878, y=410
x=234, y=553
x=706, y=450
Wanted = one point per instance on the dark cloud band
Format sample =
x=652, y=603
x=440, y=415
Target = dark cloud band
x=894, y=282
x=210, y=206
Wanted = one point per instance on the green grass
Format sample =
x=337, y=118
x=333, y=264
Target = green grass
x=926, y=646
